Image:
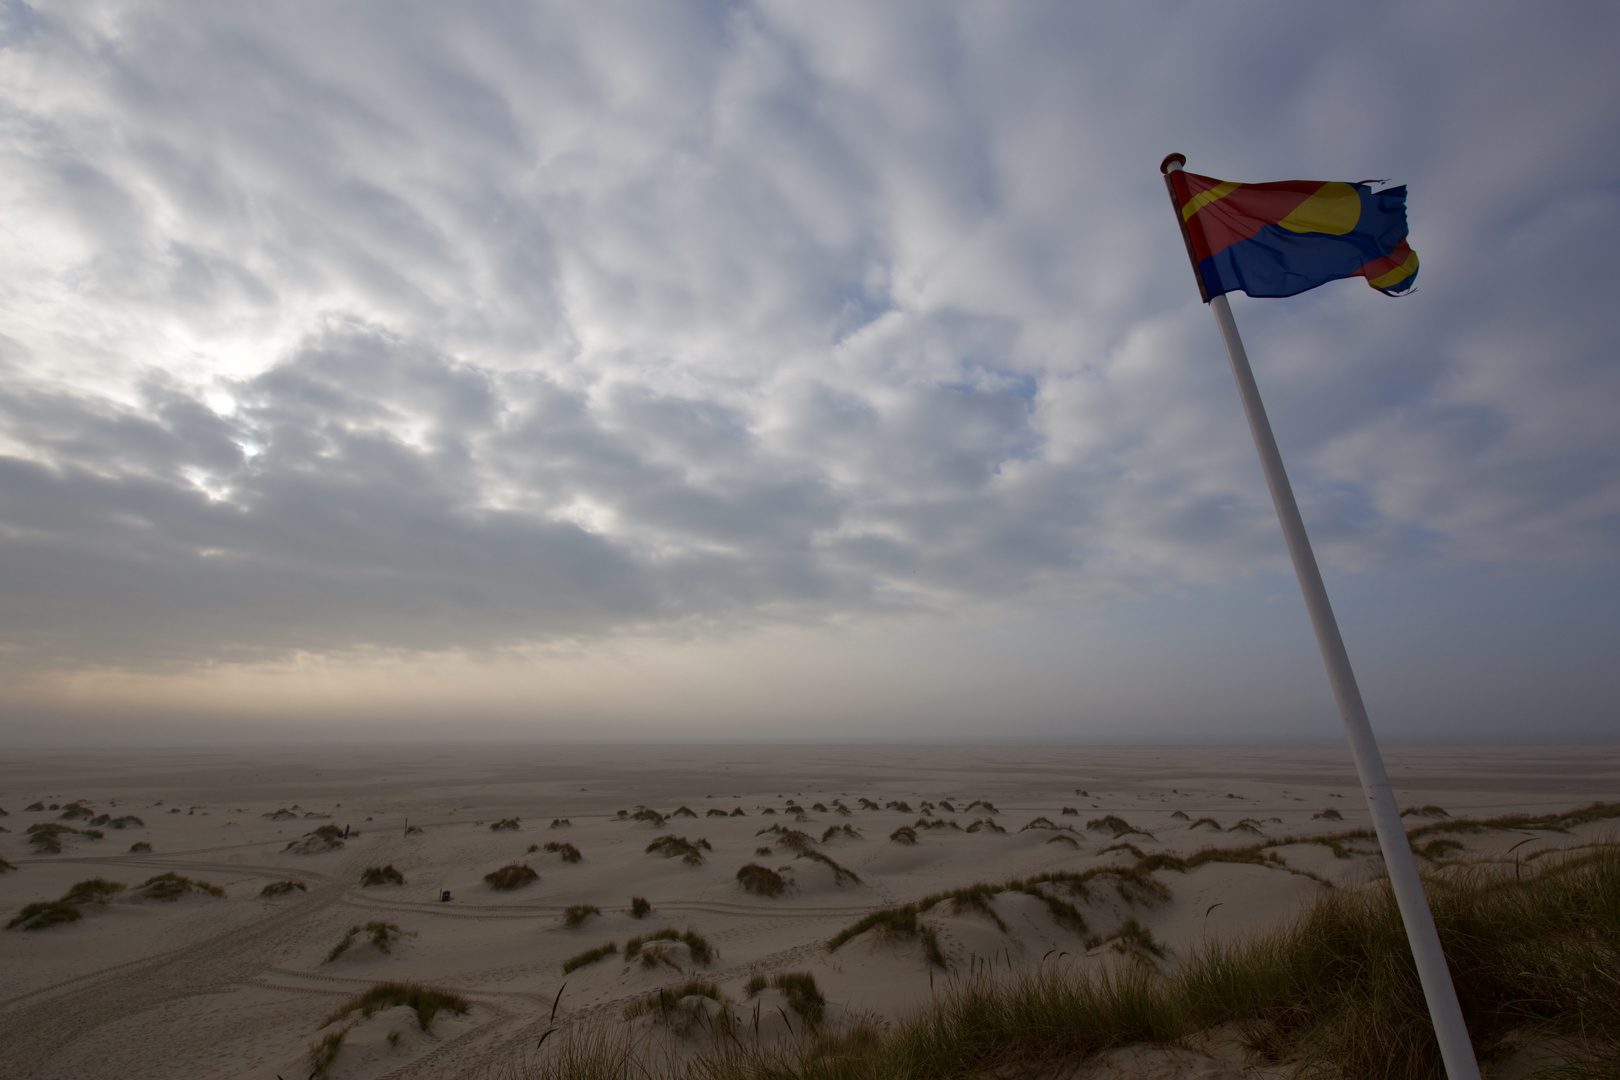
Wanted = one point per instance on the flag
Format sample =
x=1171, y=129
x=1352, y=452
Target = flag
x=1281, y=239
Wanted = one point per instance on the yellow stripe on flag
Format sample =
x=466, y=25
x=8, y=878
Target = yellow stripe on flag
x=1204, y=198
x=1400, y=273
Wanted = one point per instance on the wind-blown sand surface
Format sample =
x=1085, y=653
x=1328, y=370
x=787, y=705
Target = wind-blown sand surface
x=202, y=986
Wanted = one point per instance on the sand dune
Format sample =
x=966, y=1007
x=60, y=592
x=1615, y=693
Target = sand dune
x=237, y=986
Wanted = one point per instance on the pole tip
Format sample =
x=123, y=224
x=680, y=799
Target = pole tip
x=1178, y=160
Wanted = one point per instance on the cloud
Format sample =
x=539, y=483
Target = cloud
x=415, y=327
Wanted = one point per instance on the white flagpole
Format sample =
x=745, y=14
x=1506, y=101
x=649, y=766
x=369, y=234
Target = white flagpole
x=1456, y=1050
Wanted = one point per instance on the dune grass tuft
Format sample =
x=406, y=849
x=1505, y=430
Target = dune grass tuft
x=1329, y=814
x=560, y=823
x=682, y=1007
x=504, y=825
x=1534, y=951
x=1429, y=810
x=427, y=1002
x=381, y=875
x=324, y=1052
x=325, y=838
x=172, y=886
x=691, y=852
x=93, y=891
x=589, y=956
x=382, y=936
x=1117, y=826
x=905, y=834
x=840, y=873
x=44, y=914
x=799, y=988
x=4, y=866
x=511, y=876
x=760, y=880
x=576, y=914
x=835, y=831
x=46, y=837
x=697, y=946
x=568, y=852
x=683, y=811
x=282, y=888
x=715, y=811
x=639, y=907
x=986, y=824
x=646, y=814
x=140, y=847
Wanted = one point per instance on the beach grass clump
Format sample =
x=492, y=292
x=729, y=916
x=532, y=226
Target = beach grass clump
x=1044, y=822
x=799, y=988
x=140, y=847
x=325, y=838
x=589, y=956
x=504, y=825
x=560, y=823
x=691, y=852
x=93, y=891
x=1535, y=956
x=1329, y=814
x=683, y=811
x=382, y=936
x=427, y=1002
x=172, y=886
x=715, y=811
x=840, y=873
x=1131, y=938
x=1116, y=826
x=986, y=824
x=905, y=834
x=897, y=804
x=835, y=831
x=1430, y=810
x=282, y=888
x=576, y=914
x=868, y=804
x=760, y=880
x=568, y=852
x=697, y=946
x=511, y=876
x=684, y=1007
x=5, y=866
x=985, y=804
x=381, y=875
x=639, y=907
x=324, y=1052
x=644, y=813
x=1435, y=850
x=794, y=840
x=737, y=811
x=45, y=914
x=46, y=837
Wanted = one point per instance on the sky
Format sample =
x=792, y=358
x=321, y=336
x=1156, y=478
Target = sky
x=780, y=371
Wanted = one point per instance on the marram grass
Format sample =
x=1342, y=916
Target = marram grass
x=1534, y=949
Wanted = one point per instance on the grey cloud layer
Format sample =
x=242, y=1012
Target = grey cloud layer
x=433, y=327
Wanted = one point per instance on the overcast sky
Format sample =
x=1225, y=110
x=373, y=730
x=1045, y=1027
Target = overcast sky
x=791, y=370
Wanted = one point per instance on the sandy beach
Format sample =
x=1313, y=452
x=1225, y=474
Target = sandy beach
x=237, y=985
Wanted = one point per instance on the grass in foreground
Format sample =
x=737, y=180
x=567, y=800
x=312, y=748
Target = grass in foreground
x=1535, y=953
